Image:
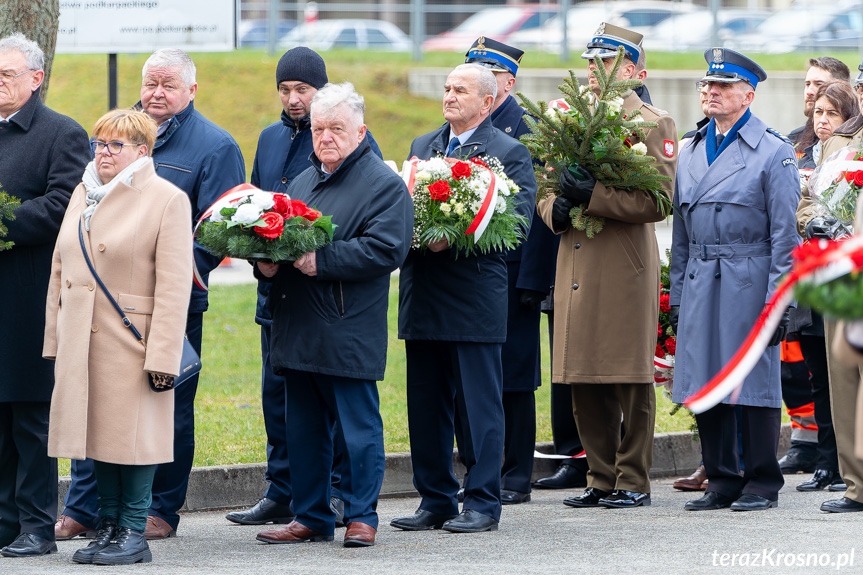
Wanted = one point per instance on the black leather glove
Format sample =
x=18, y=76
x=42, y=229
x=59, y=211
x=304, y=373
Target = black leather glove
x=781, y=329
x=819, y=227
x=674, y=317
x=530, y=299
x=576, y=184
x=560, y=214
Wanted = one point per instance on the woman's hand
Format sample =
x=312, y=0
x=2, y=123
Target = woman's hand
x=268, y=269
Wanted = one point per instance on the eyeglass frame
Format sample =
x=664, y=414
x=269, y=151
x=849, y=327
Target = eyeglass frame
x=11, y=77
x=107, y=146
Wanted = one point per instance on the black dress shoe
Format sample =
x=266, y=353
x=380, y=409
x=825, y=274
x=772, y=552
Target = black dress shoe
x=566, y=477
x=708, y=502
x=820, y=479
x=622, y=499
x=798, y=459
x=843, y=505
x=29, y=545
x=262, y=512
x=839, y=485
x=338, y=507
x=470, y=521
x=103, y=538
x=129, y=547
x=422, y=520
x=752, y=502
x=508, y=497
x=590, y=498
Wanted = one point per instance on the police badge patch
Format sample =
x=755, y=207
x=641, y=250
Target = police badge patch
x=668, y=148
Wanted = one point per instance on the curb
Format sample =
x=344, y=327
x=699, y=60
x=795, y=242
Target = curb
x=233, y=486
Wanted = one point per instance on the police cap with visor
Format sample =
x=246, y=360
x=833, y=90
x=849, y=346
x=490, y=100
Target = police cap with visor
x=725, y=65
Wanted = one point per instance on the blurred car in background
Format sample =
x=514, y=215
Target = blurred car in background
x=584, y=18
x=255, y=34
x=497, y=23
x=806, y=27
x=354, y=34
x=692, y=31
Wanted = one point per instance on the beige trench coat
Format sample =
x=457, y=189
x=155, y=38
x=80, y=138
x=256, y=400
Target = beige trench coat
x=606, y=296
x=140, y=243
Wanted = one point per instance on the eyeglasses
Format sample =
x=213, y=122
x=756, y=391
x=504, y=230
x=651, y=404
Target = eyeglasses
x=700, y=85
x=8, y=75
x=114, y=148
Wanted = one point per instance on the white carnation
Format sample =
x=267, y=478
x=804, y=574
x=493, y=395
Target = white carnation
x=247, y=214
x=459, y=208
x=501, y=205
x=263, y=200
x=445, y=208
x=640, y=148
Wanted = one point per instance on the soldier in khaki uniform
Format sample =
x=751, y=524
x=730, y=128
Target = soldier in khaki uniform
x=844, y=377
x=606, y=303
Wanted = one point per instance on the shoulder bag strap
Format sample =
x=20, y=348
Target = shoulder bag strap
x=126, y=321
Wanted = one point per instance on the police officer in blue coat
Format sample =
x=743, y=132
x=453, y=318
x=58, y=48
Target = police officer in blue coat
x=283, y=153
x=453, y=316
x=530, y=273
x=736, y=193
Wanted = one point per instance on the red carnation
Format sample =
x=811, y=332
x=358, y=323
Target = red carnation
x=273, y=225
x=280, y=204
x=671, y=345
x=664, y=306
x=858, y=178
x=659, y=352
x=440, y=191
x=461, y=170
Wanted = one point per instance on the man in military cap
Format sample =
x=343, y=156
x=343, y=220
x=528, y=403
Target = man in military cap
x=530, y=274
x=734, y=200
x=605, y=324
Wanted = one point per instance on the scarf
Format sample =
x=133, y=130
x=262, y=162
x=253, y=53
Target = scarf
x=96, y=190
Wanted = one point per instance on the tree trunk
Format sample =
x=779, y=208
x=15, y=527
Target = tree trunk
x=36, y=19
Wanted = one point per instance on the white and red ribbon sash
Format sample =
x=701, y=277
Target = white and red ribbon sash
x=486, y=211
x=834, y=260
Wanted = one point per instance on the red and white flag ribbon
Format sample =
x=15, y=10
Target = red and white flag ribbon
x=816, y=263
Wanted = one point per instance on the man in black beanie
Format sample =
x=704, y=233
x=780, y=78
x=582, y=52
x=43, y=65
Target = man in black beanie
x=283, y=153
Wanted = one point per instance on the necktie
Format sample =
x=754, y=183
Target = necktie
x=453, y=144
x=719, y=138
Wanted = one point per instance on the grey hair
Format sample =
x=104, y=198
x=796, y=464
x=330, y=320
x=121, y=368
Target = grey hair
x=30, y=49
x=172, y=58
x=486, y=83
x=334, y=95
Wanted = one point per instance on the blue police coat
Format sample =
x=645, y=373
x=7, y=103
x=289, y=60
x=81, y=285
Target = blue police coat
x=734, y=229
x=530, y=266
x=445, y=298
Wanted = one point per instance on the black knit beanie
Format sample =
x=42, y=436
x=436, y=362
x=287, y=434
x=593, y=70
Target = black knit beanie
x=302, y=64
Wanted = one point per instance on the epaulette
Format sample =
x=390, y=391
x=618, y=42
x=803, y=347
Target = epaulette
x=655, y=110
x=780, y=136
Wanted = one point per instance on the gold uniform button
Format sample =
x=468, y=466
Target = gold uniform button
x=91, y=286
x=101, y=247
x=95, y=328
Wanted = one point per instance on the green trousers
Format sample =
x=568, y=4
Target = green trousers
x=125, y=493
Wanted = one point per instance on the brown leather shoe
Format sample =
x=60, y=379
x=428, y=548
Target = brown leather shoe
x=293, y=532
x=360, y=534
x=695, y=482
x=67, y=528
x=158, y=528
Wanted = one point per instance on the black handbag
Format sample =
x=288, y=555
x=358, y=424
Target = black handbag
x=190, y=364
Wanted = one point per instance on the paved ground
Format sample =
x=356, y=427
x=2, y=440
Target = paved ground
x=539, y=537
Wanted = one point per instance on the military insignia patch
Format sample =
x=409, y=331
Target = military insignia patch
x=668, y=148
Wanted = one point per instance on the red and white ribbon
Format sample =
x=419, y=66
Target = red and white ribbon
x=827, y=261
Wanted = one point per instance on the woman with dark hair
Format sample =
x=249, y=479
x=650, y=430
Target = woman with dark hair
x=835, y=103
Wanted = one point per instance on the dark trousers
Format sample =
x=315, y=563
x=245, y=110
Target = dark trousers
x=315, y=402
x=438, y=372
x=815, y=356
x=278, y=472
x=717, y=428
x=564, y=432
x=171, y=480
x=28, y=477
x=125, y=492
x=519, y=408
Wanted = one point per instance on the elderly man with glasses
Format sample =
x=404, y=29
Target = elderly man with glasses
x=44, y=155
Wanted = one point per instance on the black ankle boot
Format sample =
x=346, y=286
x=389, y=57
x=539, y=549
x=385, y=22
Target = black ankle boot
x=129, y=547
x=103, y=538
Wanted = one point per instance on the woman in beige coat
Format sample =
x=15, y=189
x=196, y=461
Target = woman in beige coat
x=136, y=229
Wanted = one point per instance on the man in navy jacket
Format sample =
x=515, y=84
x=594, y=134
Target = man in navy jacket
x=452, y=316
x=329, y=330
x=204, y=161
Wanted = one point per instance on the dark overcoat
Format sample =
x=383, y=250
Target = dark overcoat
x=42, y=158
x=336, y=323
x=447, y=298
